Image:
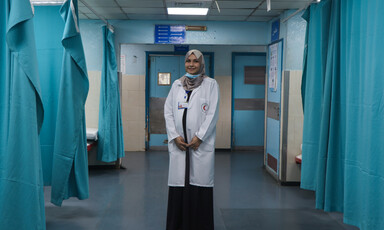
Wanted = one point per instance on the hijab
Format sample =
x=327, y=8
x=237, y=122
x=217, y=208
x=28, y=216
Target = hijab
x=192, y=83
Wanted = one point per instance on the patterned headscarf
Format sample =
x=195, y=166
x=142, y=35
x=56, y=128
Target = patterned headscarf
x=193, y=83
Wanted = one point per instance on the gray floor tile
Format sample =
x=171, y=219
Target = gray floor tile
x=135, y=198
x=286, y=219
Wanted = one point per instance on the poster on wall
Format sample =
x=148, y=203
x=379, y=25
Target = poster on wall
x=273, y=62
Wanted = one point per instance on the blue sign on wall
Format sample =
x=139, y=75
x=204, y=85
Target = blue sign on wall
x=275, y=30
x=181, y=48
x=169, y=34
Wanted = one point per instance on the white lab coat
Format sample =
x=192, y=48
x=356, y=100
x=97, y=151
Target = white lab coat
x=202, y=116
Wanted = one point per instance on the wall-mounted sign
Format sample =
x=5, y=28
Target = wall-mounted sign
x=273, y=66
x=164, y=78
x=196, y=28
x=275, y=30
x=169, y=34
x=181, y=48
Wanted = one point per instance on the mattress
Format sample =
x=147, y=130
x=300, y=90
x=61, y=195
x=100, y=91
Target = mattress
x=92, y=134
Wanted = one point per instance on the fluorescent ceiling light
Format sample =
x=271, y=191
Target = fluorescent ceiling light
x=47, y=2
x=187, y=11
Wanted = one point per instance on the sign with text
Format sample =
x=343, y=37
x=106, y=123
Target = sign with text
x=181, y=48
x=275, y=30
x=169, y=34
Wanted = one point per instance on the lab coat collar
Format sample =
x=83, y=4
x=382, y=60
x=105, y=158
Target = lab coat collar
x=194, y=91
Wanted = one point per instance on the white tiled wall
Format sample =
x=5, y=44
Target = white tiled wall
x=93, y=99
x=295, y=125
x=223, y=127
x=133, y=109
x=133, y=112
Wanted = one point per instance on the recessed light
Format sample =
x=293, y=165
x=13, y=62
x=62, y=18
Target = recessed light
x=187, y=11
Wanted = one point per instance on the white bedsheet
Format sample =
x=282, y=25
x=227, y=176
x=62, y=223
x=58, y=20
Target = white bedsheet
x=92, y=134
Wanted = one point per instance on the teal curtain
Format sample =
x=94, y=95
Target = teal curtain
x=362, y=42
x=314, y=78
x=3, y=78
x=21, y=179
x=70, y=162
x=49, y=27
x=344, y=110
x=111, y=140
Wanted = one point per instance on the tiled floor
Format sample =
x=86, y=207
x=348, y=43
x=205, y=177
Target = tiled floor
x=246, y=198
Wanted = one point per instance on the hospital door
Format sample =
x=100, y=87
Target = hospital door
x=273, y=112
x=248, y=101
x=163, y=71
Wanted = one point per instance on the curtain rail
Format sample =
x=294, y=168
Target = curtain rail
x=299, y=10
x=110, y=27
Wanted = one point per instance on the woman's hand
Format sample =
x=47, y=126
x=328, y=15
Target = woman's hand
x=195, y=143
x=180, y=143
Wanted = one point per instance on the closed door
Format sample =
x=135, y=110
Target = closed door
x=275, y=54
x=163, y=71
x=248, y=101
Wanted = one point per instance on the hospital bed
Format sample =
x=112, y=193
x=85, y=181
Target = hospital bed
x=92, y=137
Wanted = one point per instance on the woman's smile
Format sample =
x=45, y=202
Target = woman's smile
x=192, y=65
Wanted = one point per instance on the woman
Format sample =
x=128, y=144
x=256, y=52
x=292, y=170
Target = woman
x=191, y=113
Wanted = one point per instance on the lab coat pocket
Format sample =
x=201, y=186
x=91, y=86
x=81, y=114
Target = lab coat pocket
x=172, y=147
x=202, y=169
x=204, y=149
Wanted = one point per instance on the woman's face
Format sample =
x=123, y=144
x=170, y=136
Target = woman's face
x=192, y=65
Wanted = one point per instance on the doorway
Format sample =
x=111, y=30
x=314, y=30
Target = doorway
x=163, y=68
x=248, y=99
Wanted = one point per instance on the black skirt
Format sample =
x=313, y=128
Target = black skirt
x=189, y=207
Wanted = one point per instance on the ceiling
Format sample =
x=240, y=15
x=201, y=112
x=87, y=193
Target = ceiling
x=230, y=10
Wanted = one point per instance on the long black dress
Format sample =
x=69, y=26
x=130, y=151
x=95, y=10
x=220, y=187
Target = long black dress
x=189, y=207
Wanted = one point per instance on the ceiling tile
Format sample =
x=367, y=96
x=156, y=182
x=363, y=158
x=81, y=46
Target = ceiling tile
x=259, y=19
x=144, y=10
x=237, y=4
x=91, y=16
x=146, y=17
x=85, y=10
x=140, y=3
x=107, y=10
x=232, y=12
x=115, y=16
x=100, y=3
x=284, y=5
x=271, y=13
x=227, y=18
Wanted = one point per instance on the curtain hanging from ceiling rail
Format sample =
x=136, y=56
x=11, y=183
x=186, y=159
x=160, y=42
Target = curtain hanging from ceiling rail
x=70, y=162
x=49, y=56
x=21, y=179
x=315, y=59
x=344, y=110
x=3, y=71
x=111, y=140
